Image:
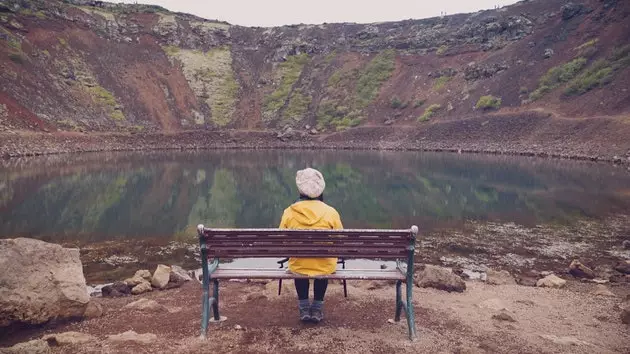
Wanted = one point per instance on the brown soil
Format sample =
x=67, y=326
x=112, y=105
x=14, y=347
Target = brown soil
x=446, y=322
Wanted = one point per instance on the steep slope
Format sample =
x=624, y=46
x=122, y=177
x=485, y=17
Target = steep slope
x=91, y=66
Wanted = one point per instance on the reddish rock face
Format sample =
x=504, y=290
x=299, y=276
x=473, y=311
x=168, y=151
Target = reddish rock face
x=132, y=68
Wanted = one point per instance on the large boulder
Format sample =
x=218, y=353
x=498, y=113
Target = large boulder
x=161, y=276
x=439, y=278
x=40, y=281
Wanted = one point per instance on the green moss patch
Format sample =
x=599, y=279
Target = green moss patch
x=378, y=70
x=556, y=76
x=600, y=72
x=488, y=102
x=429, y=112
x=288, y=72
x=211, y=77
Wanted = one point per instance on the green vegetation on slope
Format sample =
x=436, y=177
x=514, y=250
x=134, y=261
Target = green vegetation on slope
x=556, y=76
x=396, y=103
x=211, y=77
x=488, y=102
x=341, y=108
x=429, y=112
x=289, y=72
x=378, y=70
x=440, y=82
x=298, y=105
x=600, y=72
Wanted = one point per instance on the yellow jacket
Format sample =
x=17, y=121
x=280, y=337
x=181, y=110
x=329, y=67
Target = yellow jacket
x=311, y=214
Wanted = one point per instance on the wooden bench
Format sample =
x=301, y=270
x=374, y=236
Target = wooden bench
x=219, y=244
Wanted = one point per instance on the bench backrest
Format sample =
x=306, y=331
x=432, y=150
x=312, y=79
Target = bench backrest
x=239, y=243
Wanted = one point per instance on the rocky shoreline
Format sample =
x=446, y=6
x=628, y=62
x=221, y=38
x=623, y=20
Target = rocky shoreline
x=17, y=145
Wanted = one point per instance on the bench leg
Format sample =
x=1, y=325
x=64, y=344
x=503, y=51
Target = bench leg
x=410, y=315
x=215, y=303
x=345, y=289
x=399, y=304
x=205, y=313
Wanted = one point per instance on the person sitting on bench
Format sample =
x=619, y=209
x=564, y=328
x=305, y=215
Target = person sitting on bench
x=310, y=212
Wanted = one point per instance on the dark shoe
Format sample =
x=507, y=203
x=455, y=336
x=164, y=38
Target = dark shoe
x=305, y=315
x=317, y=315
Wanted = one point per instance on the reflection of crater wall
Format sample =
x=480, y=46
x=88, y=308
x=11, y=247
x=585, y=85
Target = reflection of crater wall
x=117, y=195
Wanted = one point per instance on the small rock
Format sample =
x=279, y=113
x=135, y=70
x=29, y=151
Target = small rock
x=626, y=243
x=492, y=304
x=545, y=273
x=117, y=289
x=131, y=336
x=143, y=273
x=391, y=321
x=36, y=346
x=570, y=10
x=439, y=278
x=375, y=285
x=313, y=131
x=383, y=266
x=93, y=310
x=145, y=305
x=504, y=316
x=551, y=281
x=602, y=290
x=526, y=281
x=161, y=276
x=141, y=288
x=179, y=275
x=579, y=270
x=623, y=267
x=134, y=281
x=548, y=53
x=563, y=340
x=174, y=283
x=68, y=338
x=238, y=327
x=501, y=277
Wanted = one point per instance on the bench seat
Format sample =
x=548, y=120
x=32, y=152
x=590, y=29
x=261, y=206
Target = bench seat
x=275, y=273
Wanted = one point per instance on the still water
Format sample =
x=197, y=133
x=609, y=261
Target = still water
x=99, y=197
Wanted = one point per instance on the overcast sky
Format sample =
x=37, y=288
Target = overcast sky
x=284, y=12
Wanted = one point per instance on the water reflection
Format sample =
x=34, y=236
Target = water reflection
x=106, y=196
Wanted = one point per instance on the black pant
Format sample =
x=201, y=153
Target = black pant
x=319, y=288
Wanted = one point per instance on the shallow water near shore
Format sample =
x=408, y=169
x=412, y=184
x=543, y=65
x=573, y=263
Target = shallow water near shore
x=160, y=197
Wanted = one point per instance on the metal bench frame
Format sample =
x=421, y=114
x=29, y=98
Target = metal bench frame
x=370, y=244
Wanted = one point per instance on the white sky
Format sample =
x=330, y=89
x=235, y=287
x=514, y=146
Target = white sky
x=283, y=12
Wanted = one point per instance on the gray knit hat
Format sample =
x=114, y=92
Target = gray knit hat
x=310, y=182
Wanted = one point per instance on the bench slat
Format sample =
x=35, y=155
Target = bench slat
x=302, y=232
x=309, y=244
x=230, y=252
x=275, y=273
x=278, y=238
